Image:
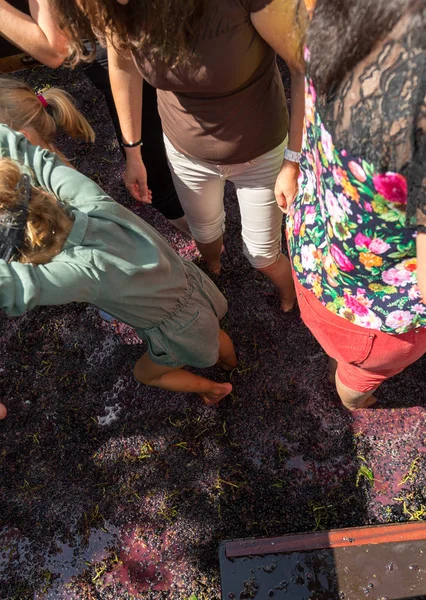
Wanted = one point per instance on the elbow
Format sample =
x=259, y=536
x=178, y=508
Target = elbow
x=54, y=61
x=297, y=71
x=56, y=52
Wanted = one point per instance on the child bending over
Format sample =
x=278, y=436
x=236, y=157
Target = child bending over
x=37, y=116
x=62, y=239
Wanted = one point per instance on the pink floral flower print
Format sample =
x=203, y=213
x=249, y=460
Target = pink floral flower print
x=333, y=207
x=378, y=246
x=339, y=175
x=310, y=215
x=375, y=245
x=344, y=203
x=297, y=221
x=392, y=186
x=399, y=319
x=341, y=259
x=357, y=171
x=310, y=99
x=397, y=277
x=370, y=321
x=318, y=170
x=327, y=144
x=419, y=308
x=362, y=240
x=309, y=182
x=308, y=257
x=414, y=292
x=355, y=305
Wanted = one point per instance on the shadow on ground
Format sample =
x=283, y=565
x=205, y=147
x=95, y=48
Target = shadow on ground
x=110, y=489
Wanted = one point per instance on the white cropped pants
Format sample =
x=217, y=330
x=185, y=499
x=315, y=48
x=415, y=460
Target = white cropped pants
x=200, y=187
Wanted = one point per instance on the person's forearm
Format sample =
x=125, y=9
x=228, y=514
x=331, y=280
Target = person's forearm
x=295, y=133
x=126, y=86
x=23, y=31
x=282, y=24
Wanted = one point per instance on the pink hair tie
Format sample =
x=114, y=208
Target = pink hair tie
x=43, y=100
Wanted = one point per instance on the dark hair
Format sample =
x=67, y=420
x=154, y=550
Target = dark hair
x=343, y=32
x=160, y=29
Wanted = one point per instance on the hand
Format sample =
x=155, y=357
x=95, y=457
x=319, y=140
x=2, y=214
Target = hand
x=135, y=178
x=286, y=187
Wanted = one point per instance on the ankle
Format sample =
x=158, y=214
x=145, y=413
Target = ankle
x=214, y=267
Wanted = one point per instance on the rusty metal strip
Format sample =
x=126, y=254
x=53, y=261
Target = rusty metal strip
x=339, y=538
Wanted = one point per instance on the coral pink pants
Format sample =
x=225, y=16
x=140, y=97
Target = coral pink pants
x=366, y=357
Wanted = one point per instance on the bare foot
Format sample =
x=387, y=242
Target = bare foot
x=220, y=391
x=370, y=401
x=367, y=403
x=287, y=303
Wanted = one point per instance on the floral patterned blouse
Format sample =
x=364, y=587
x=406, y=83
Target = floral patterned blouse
x=347, y=234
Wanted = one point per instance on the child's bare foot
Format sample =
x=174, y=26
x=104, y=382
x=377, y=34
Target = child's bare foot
x=3, y=411
x=219, y=392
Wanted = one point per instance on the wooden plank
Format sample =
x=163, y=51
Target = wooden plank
x=10, y=64
x=340, y=538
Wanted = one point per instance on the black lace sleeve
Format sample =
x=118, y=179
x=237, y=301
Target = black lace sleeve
x=416, y=172
x=378, y=111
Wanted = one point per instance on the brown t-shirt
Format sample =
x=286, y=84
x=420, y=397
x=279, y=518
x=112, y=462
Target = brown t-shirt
x=228, y=106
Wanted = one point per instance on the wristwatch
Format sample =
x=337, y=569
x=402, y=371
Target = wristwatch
x=292, y=156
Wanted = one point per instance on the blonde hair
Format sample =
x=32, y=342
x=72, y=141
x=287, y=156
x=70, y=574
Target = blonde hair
x=20, y=108
x=48, y=223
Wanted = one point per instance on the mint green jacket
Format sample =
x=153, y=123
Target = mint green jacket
x=111, y=258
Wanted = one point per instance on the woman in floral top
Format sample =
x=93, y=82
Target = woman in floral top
x=351, y=241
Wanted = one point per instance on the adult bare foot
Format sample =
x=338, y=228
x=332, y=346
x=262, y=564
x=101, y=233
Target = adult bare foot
x=288, y=302
x=219, y=392
x=370, y=401
x=367, y=403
